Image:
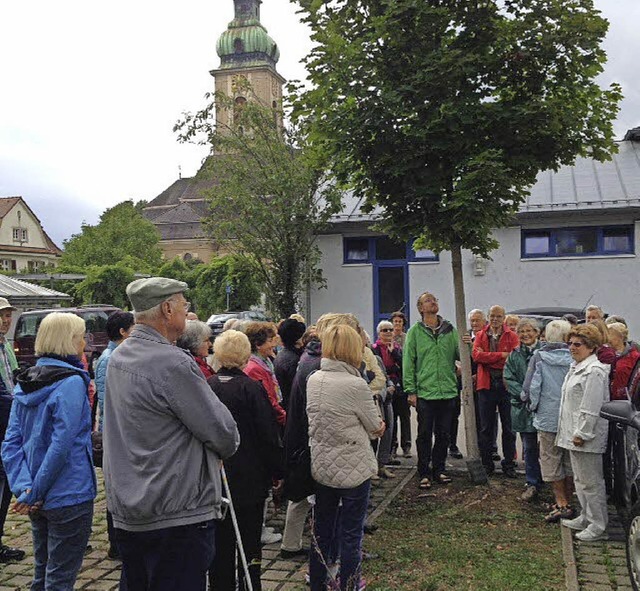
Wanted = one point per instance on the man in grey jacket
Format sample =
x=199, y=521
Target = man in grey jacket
x=165, y=432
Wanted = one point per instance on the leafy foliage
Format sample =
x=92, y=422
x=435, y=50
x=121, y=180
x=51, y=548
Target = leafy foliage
x=105, y=285
x=443, y=113
x=121, y=236
x=210, y=294
x=269, y=199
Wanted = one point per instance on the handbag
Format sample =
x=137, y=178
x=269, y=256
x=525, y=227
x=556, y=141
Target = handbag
x=96, y=446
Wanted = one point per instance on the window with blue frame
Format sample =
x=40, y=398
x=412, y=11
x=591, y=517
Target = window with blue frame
x=382, y=248
x=578, y=241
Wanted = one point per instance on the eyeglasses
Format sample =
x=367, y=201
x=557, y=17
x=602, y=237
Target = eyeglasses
x=185, y=305
x=386, y=330
x=576, y=344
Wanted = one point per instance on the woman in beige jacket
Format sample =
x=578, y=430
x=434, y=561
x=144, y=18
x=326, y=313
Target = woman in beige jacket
x=343, y=418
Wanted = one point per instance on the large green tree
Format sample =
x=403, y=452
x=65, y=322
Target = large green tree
x=442, y=112
x=105, y=284
x=268, y=199
x=121, y=235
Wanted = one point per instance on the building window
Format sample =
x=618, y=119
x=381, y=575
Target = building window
x=9, y=264
x=35, y=266
x=20, y=235
x=356, y=250
x=578, y=241
x=383, y=248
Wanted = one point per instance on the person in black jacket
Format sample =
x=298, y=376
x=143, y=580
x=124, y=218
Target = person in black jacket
x=251, y=470
x=286, y=362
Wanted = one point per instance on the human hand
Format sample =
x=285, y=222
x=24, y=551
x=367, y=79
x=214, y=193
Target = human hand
x=412, y=399
x=380, y=432
x=478, y=349
x=466, y=339
x=578, y=441
x=505, y=354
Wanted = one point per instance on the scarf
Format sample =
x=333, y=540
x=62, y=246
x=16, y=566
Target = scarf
x=268, y=365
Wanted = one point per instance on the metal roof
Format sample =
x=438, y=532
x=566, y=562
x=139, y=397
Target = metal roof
x=586, y=186
x=12, y=288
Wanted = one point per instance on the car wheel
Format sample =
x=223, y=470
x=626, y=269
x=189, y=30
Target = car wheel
x=633, y=546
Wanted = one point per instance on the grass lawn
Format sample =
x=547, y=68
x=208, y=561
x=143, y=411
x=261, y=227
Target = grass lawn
x=461, y=537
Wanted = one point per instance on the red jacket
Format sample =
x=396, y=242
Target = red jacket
x=258, y=373
x=487, y=360
x=622, y=370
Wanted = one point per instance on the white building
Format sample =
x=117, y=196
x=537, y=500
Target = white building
x=575, y=240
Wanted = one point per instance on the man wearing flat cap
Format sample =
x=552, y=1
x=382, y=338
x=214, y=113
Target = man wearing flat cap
x=8, y=365
x=165, y=432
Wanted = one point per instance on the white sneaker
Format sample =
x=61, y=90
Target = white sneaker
x=270, y=538
x=579, y=523
x=590, y=535
x=266, y=529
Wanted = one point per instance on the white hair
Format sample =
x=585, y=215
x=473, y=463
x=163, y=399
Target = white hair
x=556, y=331
x=383, y=324
x=149, y=316
x=477, y=311
x=195, y=333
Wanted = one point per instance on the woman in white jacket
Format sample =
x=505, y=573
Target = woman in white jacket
x=343, y=417
x=583, y=432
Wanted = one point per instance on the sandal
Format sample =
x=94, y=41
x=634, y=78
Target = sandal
x=559, y=513
x=442, y=479
x=425, y=483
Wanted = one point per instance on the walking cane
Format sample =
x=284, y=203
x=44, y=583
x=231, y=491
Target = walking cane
x=234, y=520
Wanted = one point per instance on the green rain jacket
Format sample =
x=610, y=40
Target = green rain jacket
x=515, y=370
x=428, y=361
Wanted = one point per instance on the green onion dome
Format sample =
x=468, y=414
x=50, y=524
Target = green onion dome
x=246, y=43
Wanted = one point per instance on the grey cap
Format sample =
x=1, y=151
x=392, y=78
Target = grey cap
x=144, y=294
x=4, y=304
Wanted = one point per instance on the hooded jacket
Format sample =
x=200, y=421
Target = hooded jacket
x=428, y=361
x=542, y=388
x=47, y=447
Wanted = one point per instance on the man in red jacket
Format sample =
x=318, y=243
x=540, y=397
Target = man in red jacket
x=491, y=347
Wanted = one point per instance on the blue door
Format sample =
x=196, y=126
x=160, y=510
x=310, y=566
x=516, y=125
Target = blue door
x=390, y=290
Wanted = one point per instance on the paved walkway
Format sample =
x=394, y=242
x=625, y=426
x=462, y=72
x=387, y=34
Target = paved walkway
x=600, y=566
x=101, y=574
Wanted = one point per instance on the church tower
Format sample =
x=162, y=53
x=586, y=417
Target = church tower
x=247, y=52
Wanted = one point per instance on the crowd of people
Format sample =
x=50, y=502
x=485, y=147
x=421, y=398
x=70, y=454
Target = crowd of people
x=197, y=438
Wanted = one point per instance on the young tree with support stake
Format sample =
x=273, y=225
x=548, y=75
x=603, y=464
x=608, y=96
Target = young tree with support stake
x=442, y=112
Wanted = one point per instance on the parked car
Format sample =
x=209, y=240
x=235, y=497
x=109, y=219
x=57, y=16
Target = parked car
x=216, y=321
x=547, y=314
x=95, y=317
x=625, y=474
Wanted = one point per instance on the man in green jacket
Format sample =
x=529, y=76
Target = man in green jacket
x=8, y=364
x=429, y=378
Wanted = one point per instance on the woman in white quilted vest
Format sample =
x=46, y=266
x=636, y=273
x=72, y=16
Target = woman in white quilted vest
x=343, y=418
x=583, y=432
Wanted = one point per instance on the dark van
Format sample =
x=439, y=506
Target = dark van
x=94, y=316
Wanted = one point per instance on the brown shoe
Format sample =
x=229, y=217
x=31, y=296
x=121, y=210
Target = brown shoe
x=385, y=473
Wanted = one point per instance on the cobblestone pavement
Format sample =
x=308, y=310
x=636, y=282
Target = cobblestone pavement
x=98, y=573
x=602, y=566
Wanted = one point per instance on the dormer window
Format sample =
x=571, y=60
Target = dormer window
x=238, y=45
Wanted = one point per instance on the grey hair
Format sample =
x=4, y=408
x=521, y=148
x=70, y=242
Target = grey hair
x=593, y=307
x=557, y=330
x=532, y=322
x=615, y=318
x=152, y=314
x=230, y=324
x=476, y=311
x=241, y=325
x=383, y=324
x=195, y=332
x=149, y=316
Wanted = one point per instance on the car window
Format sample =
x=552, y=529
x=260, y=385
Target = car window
x=28, y=325
x=95, y=322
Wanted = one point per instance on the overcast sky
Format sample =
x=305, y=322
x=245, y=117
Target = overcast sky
x=90, y=92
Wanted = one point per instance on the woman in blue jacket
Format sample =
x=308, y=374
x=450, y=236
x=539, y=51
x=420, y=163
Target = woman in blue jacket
x=47, y=452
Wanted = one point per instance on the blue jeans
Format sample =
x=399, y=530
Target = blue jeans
x=351, y=518
x=169, y=559
x=60, y=538
x=531, y=459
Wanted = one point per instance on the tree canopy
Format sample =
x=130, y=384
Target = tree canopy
x=268, y=199
x=122, y=235
x=444, y=112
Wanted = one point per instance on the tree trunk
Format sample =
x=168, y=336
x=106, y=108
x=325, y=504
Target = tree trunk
x=474, y=465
